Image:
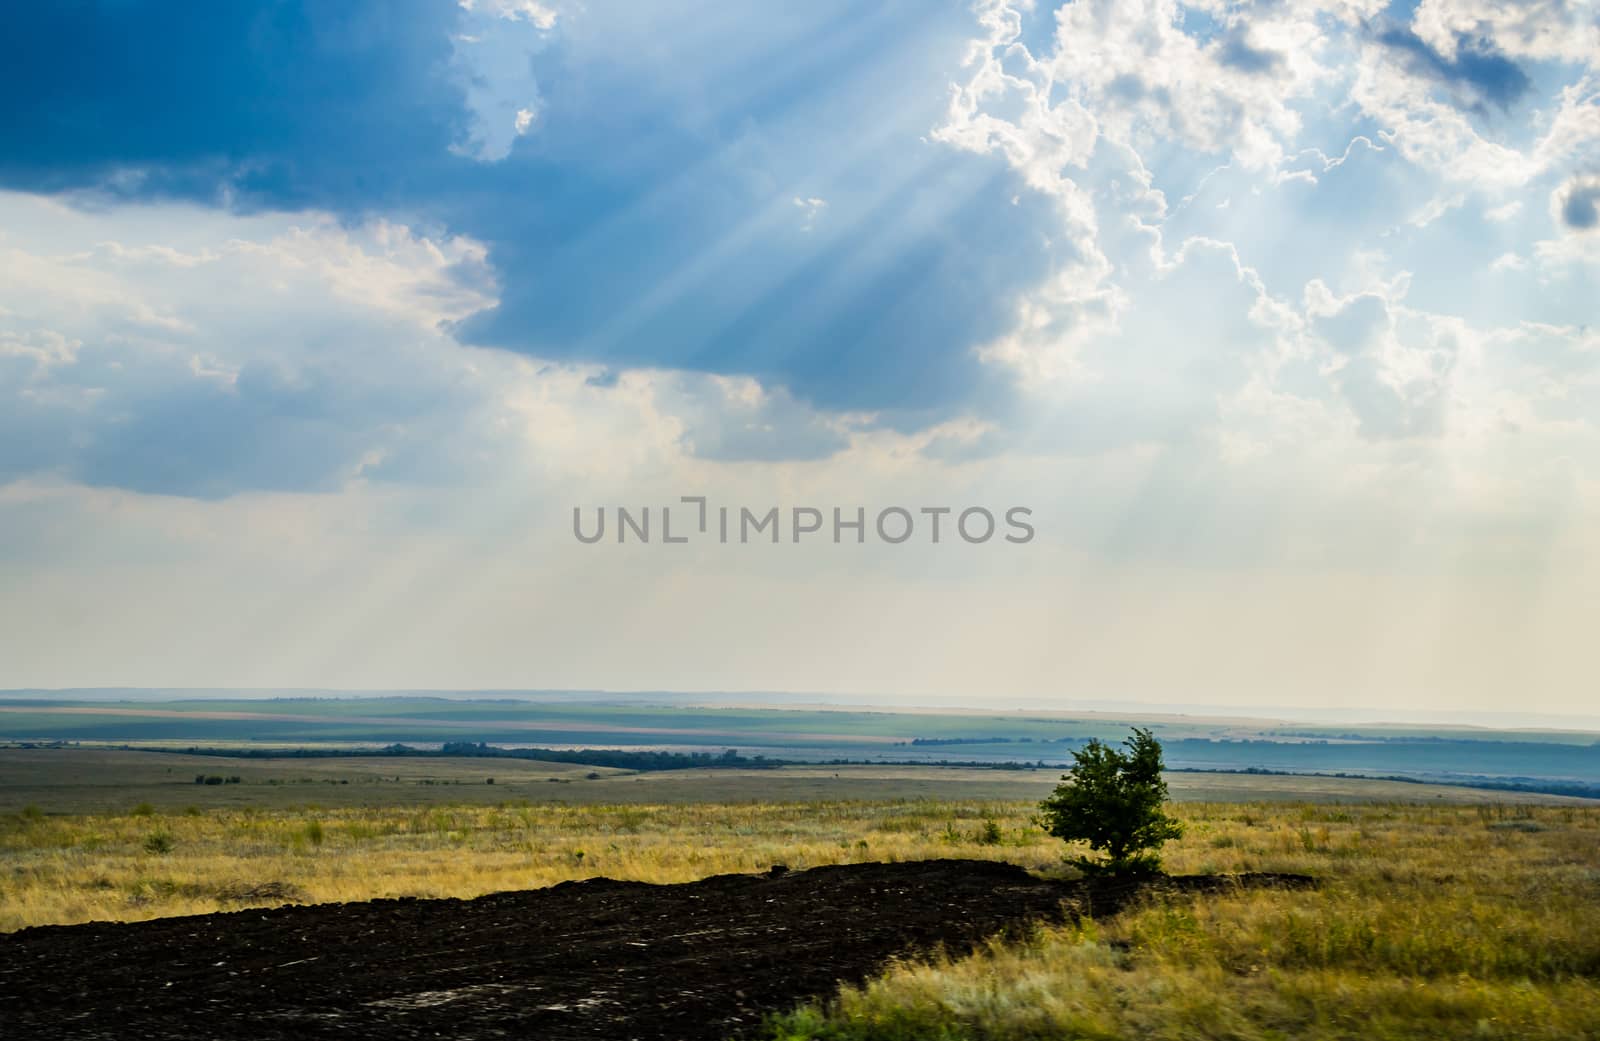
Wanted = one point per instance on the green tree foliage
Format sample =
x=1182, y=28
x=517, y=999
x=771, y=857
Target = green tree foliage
x=1113, y=800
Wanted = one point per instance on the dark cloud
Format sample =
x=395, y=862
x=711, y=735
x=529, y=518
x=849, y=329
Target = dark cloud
x=647, y=220
x=1477, y=73
x=1580, y=206
x=1235, y=50
x=284, y=104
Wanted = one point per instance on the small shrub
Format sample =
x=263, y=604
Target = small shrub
x=1114, y=801
x=159, y=843
x=989, y=834
x=144, y=809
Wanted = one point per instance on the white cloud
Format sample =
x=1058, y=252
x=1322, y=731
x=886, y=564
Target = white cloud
x=1119, y=82
x=1436, y=208
x=811, y=208
x=1543, y=30
x=1425, y=117
x=1507, y=211
x=1432, y=133
x=286, y=352
x=1573, y=137
x=1568, y=251
x=541, y=16
x=1145, y=79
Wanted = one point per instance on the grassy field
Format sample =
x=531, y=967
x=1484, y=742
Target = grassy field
x=1443, y=913
x=1431, y=923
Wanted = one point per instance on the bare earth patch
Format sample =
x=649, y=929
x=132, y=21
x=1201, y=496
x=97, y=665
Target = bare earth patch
x=593, y=959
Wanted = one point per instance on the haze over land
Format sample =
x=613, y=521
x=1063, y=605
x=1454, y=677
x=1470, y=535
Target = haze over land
x=660, y=731
x=1507, y=719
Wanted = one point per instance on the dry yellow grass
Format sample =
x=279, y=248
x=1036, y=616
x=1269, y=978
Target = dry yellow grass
x=62, y=869
x=1431, y=923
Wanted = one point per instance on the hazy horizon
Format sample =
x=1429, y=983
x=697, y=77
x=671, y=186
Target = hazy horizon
x=858, y=701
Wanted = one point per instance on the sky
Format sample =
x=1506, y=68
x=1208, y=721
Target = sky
x=1277, y=320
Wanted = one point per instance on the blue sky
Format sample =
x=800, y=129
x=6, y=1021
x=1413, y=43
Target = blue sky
x=317, y=320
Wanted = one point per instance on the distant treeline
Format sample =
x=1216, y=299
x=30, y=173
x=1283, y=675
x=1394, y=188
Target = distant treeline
x=642, y=761
x=615, y=757
x=1273, y=738
x=936, y=741
x=925, y=742
x=1367, y=736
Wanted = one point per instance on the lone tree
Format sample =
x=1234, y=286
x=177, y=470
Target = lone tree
x=1113, y=801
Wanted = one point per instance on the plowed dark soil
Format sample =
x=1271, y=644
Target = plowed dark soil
x=595, y=959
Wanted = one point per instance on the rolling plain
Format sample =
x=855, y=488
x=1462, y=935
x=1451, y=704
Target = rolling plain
x=1419, y=910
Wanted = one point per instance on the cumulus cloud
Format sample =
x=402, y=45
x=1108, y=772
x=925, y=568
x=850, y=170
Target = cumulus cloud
x=1145, y=78
x=296, y=354
x=1392, y=369
x=284, y=355
x=1541, y=30
x=736, y=419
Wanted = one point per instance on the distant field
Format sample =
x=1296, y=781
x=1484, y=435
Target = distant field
x=387, y=719
x=98, y=781
x=1563, y=762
